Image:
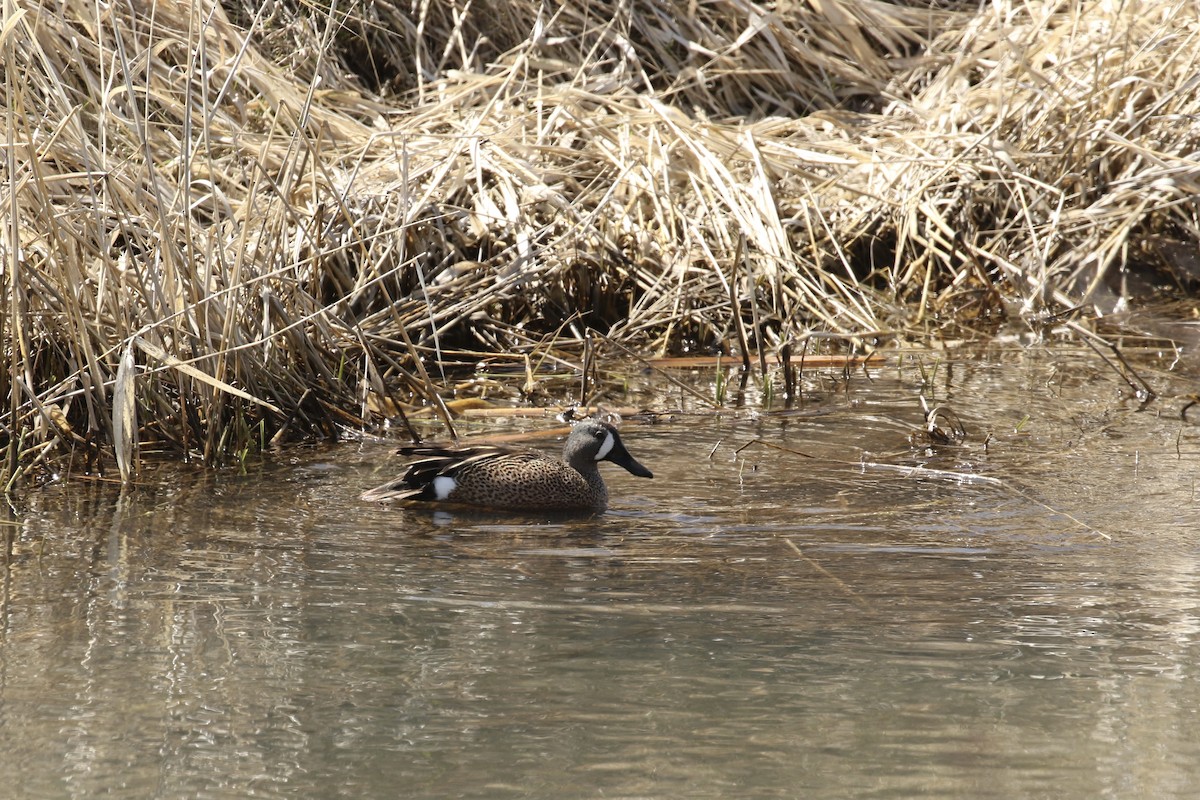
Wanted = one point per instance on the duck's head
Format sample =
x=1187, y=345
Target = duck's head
x=592, y=440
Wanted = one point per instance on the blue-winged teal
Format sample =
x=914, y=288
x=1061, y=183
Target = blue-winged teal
x=515, y=478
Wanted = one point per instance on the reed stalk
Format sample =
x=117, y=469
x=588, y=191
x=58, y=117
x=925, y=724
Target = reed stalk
x=283, y=213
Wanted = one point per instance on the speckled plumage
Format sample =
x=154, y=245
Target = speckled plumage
x=493, y=476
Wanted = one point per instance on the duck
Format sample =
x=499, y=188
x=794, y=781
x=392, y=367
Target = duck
x=514, y=479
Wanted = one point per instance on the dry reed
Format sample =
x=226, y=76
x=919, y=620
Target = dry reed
x=230, y=225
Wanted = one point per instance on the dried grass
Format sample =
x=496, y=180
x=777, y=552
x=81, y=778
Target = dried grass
x=281, y=211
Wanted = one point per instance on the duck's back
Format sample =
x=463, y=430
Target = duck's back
x=525, y=480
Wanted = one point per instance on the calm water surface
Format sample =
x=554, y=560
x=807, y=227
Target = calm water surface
x=762, y=623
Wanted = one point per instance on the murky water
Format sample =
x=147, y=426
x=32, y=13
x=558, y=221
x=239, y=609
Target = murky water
x=756, y=624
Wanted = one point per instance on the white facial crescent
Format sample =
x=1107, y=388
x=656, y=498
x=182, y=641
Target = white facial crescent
x=606, y=448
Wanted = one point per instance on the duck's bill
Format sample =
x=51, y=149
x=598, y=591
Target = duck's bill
x=622, y=458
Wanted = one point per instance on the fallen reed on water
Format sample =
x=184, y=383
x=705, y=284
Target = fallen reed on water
x=227, y=225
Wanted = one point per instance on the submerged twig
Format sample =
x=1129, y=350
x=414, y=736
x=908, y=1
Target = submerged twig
x=928, y=472
x=774, y=446
x=1191, y=401
x=854, y=596
x=969, y=478
x=1136, y=383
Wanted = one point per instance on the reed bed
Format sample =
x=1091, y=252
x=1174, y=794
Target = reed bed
x=228, y=225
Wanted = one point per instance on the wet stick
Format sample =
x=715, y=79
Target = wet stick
x=735, y=303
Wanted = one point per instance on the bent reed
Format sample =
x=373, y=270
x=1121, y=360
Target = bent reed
x=226, y=225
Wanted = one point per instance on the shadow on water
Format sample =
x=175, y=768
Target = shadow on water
x=752, y=622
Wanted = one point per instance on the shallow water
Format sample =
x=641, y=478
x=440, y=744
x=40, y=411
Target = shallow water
x=761, y=623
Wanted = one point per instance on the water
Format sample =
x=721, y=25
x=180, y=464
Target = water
x=758, y=623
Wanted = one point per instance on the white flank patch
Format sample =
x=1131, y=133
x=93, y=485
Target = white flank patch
x=443, y=485
x=607, y=447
